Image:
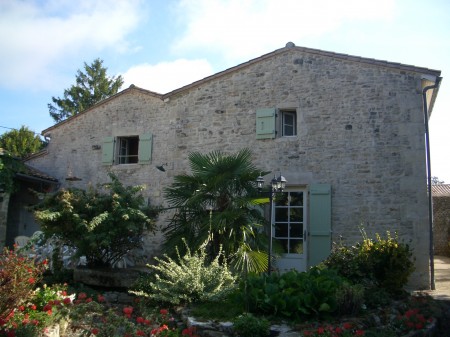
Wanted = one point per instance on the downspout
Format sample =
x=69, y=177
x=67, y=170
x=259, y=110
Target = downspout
x=430, y=197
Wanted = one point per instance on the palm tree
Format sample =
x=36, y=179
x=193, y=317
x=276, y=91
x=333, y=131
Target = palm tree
x=217, y=203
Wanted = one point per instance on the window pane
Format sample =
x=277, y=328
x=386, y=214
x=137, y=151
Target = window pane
x=281, y=244
x=296, y=247
x=281, y=230
x=296, y=230
x=296, y=215
x=281, y=214
x=289, y=123
x=296, y=198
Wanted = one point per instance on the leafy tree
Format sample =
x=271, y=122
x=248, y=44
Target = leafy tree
x=91, y=87
x=21, y=143
x=9, y=166
x=101, y=226
x=217, y=203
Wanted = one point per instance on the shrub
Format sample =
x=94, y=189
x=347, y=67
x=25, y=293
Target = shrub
x=189, y=279
x=101, y=226
x=384, y=262
x=247, y=325
x=350, y=299
x=18, y=277
x=292, y=294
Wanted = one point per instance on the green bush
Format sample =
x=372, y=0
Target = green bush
x=101, y=226
x=383, y=262
x=189, y=279
x=292, y=294
x=350, y=298
x=247, y=325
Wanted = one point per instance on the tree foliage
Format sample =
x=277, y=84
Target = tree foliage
x=21, y=143
x=91, y=87
x=217, y=202
x=101, y=226
x=9, y=166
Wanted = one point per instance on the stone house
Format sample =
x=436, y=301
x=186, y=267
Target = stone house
x=441, y=221
x=346, y=132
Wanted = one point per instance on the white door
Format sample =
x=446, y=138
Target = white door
x=289, y=230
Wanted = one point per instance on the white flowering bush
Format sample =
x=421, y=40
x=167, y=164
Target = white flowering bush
x=187, y=279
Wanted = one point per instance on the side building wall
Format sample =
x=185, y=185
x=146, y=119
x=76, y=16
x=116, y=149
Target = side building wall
x=359, y=128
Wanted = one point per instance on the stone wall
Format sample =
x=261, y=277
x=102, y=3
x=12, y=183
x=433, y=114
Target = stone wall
x=360, y=129
x=441, y=222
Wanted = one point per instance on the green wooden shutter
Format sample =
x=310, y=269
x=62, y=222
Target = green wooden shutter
x=145, y=148
x=108, y=151
x=265, y=123
x=319, y=223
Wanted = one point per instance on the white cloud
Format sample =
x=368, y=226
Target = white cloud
x=33, y=37
x=167, y=76
x=246, y=28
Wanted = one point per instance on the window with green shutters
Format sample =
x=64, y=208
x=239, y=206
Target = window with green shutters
x=267, y=126
x=127, y=150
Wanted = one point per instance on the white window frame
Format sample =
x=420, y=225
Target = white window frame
x=124, y=147
x=285, y=124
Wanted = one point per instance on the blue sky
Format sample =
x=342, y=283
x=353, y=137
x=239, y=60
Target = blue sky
x=161, y=45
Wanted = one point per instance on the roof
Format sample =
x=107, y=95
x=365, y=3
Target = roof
x=290, y=47
x=441, y=190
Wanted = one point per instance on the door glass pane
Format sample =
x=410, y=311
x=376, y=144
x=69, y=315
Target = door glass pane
x=281, y=244
x=296, y=246
x=296, y=198
x=296, y=230
x=281, y=214
x=296, y=214
x=281, y=230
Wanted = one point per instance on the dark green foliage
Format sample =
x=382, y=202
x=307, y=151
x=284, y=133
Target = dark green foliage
x=217, y=202
x=350, y=299
x=247, y=325
x=293, y=294
x=91, y=87
x=9, y=166
x=21, y=143
x=101, y=226
x=384, y=262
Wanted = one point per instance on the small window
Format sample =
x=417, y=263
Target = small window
x=288, y=123
x=128, y=150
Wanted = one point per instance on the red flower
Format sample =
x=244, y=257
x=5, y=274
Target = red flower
x=67, y=301
x=82, y=296
x=347, y=326
x=147, y=322
x=95, y=331
x=338, y=330
x=21, y=308
x=101, y=298
x=31, y=280
x=164, y=311
x=140, y=320
x=89, y=300
x=128, y=310
x=320, y=330
x=419, y=326
x=11, y=334
x=359, y=333
x=47, y=307
x=140, y=333
x=33, y=307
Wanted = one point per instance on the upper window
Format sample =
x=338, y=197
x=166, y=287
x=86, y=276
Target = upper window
x=288, y=123
x=272, y=123
x=127, y=150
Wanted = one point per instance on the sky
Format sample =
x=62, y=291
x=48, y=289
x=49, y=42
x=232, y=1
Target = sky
x=161, y=45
